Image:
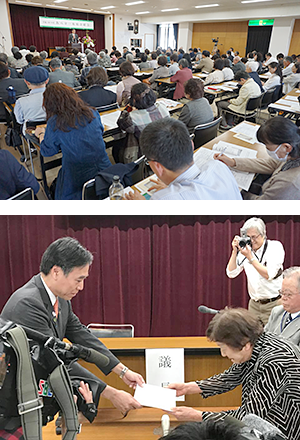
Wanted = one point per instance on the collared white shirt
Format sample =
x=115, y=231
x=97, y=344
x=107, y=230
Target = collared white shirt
x=52, y=297
x=271, y=60
x=273, y=81
x=30, y=107
x=211, y=182
x=286, y=71
x=258, y=286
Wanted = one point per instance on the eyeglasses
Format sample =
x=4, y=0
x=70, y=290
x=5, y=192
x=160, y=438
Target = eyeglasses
x=287, y=295
x=146, y=160
x=253, y=237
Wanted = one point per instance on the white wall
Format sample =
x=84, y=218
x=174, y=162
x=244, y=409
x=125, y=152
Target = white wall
x=5, y=36
x=185, y=35
x=108, y=32
x=281, y=35
x=123, y=36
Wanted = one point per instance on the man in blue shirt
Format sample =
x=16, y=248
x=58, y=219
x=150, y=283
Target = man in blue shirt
x=168, y=148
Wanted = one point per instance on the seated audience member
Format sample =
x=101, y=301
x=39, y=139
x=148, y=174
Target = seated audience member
x=291, y=81
x=30, y=107
x=251, y=62
x=32, y=49
x=29, y=57
x=142, y=111
x=104, y=61
x=224, y=57
x=38, y=61
x=54, y=54
x=180, y=53
x=70, y=67
x=14, y=178
x=180, y=77
x=269, y=59
x=284, y=318
x=144, y=64
x=19, y=61
x=76, y=130
x=287, y=66
x=206, y=64
x=227, y=71
x=74, y=55
x=147, y=52
x=244, y=60
x=187, y=57
x=216, y=76
x=92, y=59
x=125, y=51
x=254, y=75
x=63, y=53
x=208, y=430
x=120, y=59
x=265, y=364
x=197, y=111
x=24, y=51
x=279, y=58
x=129, y=57
x=96, y=95
x=44, y=55
x=248, y=90
x=153, y=63
x=13, y=72
x=174, y=64
x=124, y=87
x=61, y=76
x=169, y=152
x=230, y=55
x=113, y=50
x=6, y=81
x=161, y=72
x=275, y=78
x=11, y=59
x=282, y=140
x=258, y=57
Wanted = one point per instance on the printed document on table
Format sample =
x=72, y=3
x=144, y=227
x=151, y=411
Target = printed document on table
x=111, y=88
x=243, y=179
x=246, y=132
x=111, y=119
x=156, y=397
x=144, y=185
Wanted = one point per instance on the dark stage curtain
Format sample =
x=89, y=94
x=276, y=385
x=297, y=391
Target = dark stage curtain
x=259, y=39
x=27, y=31
x=150, y=271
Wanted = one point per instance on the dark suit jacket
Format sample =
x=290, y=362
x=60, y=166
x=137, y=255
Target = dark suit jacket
x=19, y=86
x=97, y=96
x=67, y=78
x=276, y=324
x=70, y=38
x=31, y=306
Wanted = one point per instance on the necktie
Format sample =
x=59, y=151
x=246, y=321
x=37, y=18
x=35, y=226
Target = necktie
x=55, y=307
x=288, y=320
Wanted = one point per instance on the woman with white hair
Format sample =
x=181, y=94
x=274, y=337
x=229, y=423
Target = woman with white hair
x=129, y=57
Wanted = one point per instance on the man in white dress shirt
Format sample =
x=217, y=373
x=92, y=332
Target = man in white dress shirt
x=168, y=149
x=287, y=66
x=262, y=262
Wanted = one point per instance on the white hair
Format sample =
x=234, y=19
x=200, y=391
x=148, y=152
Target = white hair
x=256, y=223
x=291, y=272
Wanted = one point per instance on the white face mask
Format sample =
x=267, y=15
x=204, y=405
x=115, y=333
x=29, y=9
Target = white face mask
x=273, y=154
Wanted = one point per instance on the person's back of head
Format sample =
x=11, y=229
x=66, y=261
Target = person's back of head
x=18, y=55
x=28, y=57
x=143, y=58
x=162, y=60
x=226, y=62
x=207, y=430
x=3, y=58
x=206, y=54
x=288, y=59
x=37, y=60
x=43, y=54
x=4, y=72
x=168, y=142
x=142, y=96
x=174, y=57
x=268, y=54
x=55, y=63
x=32, y=48
x=153, y=55
x=129, y=57
x=98, y=76
x=14, y=49
x=102, y=54
x=251, y=56
x=23, y=47
x=181, y=51
x=183, y=63
x=219, y=64
x=126, y=69
x=54, y=54
x=92, y=58
x=244, y=60
x=118, y=54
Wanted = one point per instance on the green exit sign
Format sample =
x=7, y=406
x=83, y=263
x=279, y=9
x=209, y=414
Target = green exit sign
x=261, y=22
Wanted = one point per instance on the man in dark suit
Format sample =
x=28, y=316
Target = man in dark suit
x=6, y=81
x=73, y=37
x=44, y=305
x=285, y=319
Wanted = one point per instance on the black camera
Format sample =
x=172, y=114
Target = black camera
x=215, y=40
x=243, y=241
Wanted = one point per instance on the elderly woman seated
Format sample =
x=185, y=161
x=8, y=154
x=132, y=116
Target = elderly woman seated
x=143, y=110
x=96, y=95
x=282, y=169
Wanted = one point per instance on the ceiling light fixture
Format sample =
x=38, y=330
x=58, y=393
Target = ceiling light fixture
x=108, y=7
x=256, y=1
x=59, y=1
x=140, y=13
x=79, y=9
x=169, y=10
x=207, y=6
x=28, y=3
x=57, y=6
x=134, y=3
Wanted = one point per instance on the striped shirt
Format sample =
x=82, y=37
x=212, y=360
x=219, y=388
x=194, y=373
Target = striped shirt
x=270, y=385
x=211, y=182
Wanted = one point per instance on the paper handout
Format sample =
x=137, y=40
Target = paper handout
x=156, y=397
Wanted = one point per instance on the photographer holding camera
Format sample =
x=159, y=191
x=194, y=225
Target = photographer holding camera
x=262, y=260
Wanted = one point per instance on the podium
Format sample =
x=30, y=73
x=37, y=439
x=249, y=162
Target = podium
x=78, y=46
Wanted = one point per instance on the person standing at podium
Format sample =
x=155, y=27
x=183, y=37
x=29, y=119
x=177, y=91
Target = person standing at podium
x=73, y=37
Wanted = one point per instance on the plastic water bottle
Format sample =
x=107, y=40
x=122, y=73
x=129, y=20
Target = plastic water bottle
x=11, y=94
x=116, y=189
